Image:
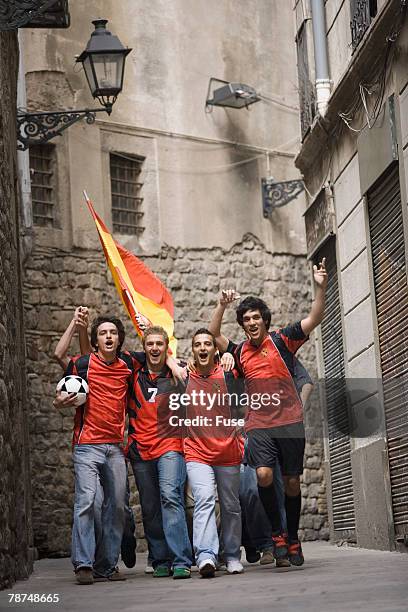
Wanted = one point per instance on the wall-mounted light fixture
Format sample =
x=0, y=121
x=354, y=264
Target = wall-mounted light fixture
x=231, y=95
x=104, y=63
x=276, y=194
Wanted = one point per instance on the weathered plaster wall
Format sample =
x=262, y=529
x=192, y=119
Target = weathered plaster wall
x=209, y=185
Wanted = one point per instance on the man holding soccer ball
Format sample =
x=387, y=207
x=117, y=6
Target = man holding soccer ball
x=97, y=452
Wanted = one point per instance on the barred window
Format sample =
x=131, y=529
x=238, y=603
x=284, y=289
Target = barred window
x=43, y=184
x=126, y=188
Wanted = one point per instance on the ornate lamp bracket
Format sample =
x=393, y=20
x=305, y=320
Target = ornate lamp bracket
x=35, y=128
x=276, y=194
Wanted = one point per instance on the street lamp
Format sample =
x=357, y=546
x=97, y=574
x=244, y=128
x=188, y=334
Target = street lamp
x=230, y=95
x=104, y=64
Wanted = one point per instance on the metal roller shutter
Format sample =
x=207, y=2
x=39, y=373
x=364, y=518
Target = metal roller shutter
x=390, y=284
x=336, y=401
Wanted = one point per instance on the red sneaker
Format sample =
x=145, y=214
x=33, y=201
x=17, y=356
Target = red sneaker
x=295, y=554
x=280, y=550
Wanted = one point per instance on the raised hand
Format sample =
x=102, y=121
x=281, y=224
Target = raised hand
x=228, y=296
x=142, y=322
x=81, y=317
x=320, y=274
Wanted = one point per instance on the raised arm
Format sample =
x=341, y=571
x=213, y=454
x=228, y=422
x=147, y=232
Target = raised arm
x=228, y=296
x=79, y=320
x=62, y=348
x=315, y=317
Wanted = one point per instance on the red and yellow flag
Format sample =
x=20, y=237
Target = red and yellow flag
x=142, y=293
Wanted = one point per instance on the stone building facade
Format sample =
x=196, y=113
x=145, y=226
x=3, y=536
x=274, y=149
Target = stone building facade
x=15, y=491
x=200, y=224
x=354, y=161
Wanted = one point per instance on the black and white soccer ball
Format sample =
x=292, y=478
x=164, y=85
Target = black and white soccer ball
x=74, y=384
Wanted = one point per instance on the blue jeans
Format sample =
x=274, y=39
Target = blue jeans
x=256, y=528
x=203, y=478
x=161, y=491
x=129, y=524
x=94, y=463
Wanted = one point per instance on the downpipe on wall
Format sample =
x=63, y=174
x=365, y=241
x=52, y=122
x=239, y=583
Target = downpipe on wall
x=323, y=82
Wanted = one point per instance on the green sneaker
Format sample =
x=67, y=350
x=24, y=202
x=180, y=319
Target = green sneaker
x=161, y=572
x=181, y=572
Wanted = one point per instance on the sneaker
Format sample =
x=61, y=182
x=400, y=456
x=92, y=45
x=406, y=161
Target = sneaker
x=207, y=568
x=148, y=569
x=84, y=575
x=280, y=547
x=295, y=554
x=128, y=549
x=282, y=563
x=235, y=567
x=252, y=555
x=267, y=556
x=161, y=572
x=179, y=573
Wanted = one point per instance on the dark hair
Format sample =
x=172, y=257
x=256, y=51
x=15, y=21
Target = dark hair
x=253, y=303
x=155, y=330
x=204, y=330
x=107, y=319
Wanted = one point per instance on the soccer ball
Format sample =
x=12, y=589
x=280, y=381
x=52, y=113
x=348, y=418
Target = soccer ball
x=74, y=384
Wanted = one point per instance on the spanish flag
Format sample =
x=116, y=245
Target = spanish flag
x=143, y=294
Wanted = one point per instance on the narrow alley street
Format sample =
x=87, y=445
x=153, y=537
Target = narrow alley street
x=334, y=579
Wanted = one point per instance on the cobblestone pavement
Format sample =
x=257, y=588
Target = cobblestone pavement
x=332, y=579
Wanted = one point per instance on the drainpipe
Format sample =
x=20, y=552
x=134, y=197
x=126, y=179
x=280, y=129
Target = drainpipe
x=23, y=164
x=320, y=52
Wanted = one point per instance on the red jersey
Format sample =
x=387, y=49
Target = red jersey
x=101, y=420
x=149, y=431
x=213, y=439
x=268, y=372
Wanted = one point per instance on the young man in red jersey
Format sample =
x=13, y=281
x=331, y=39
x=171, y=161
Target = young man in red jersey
x=99, y=426
x=275, y=429
x=155, y=453
x=213, y=452
x=79, y=324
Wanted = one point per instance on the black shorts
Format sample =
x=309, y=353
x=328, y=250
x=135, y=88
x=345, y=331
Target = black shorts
x=285, y=443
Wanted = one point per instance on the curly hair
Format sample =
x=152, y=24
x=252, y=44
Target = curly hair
x=253, y=303
x=107, y=319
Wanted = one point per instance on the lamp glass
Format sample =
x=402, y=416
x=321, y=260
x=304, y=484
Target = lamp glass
x=90, y=75
x=108, y=73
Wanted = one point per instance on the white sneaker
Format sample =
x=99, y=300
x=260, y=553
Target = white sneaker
x=207, y=568
x=148, y=569
x=234, y=567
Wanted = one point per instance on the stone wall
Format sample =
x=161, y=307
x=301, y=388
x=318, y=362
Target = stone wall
x=57, y=281
x=15, y=534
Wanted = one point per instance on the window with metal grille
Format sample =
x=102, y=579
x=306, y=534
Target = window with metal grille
x=126, y=188
x=43, y=184
x=362, y=13
x=306, y=89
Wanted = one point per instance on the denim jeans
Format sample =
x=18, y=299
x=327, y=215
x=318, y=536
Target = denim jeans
x=203, y=479
x=161, y=491
x=256, y=528
x=94, y=463
x=129, y=522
